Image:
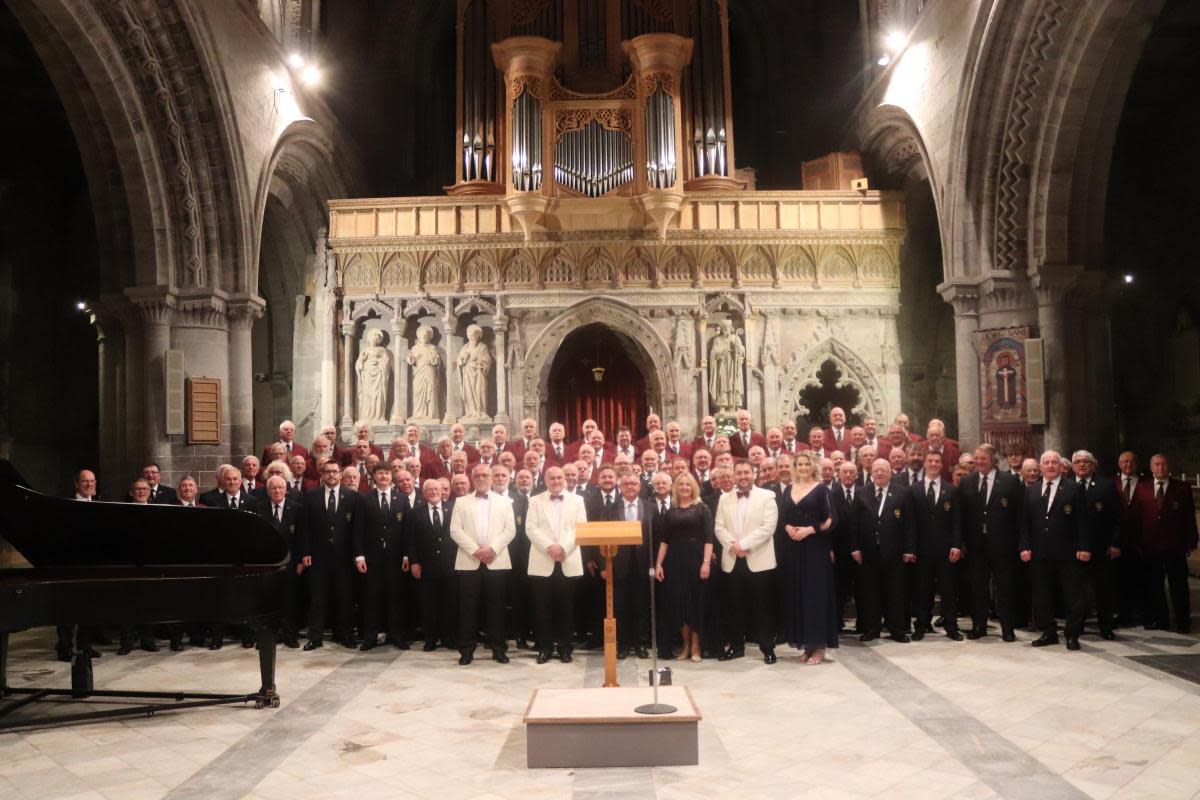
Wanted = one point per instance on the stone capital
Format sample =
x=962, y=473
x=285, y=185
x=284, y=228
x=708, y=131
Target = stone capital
x=244, y=309
x=155, y=305
x=1052, y=283
x=963, y=294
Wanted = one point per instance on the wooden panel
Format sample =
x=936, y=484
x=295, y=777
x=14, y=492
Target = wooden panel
x=446, y=221
x=622, y=532
x=426, y=221
x=204, y=411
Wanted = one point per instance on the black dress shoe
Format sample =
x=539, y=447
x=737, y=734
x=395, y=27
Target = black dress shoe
x=565, y=657
x=1045, y=640
x=466, y=658
x=399, y=644
x=91, y=652
x=313, y=644
x=125, y=648
x=368, y=644
x=63, y=655
x=543, y=657
x=1008, y=635
x=429, y=647
x=769, y=657
x=248, y=643
x=975, y=633
x=902, y=638
x=954, y=635
x=523, y=644
x=291, y=643
x=918, y=634
x=1072, y=642
x=869, y=636
x=499, y=657
x=641, y=652
x=349, y=643
x=176, y=645
x=731, y=653
x=215, y=645
x=623, y=653
x=1108, y=635
x=148, y=645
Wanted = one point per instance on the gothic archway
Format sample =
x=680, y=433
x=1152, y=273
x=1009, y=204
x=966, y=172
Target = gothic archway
x=650, y=352
x=615, y=395
x=803, y=371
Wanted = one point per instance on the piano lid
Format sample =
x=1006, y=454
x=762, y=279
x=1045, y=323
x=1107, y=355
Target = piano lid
x=59, y=532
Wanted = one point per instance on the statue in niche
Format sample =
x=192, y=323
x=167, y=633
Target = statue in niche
x=682, y=342
x=374, y=370
x=474, y=362
x=726, y=358
x=770, y=348
x=426, y=362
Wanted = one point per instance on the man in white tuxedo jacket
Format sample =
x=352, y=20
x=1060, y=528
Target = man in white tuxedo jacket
x=745, y=526
x=482, y=526
x=555, y=563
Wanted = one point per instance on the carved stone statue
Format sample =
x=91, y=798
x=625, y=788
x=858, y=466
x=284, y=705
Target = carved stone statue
x=726, y=357
x=426, y=362
x=474, y=362
x=374, y=370
x=681, y=344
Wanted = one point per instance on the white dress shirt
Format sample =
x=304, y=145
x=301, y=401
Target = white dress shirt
x=483, y=517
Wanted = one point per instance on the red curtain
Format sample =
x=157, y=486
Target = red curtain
x=575, y=395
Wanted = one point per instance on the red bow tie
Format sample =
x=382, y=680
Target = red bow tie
x=556, y=497
x=482, y=495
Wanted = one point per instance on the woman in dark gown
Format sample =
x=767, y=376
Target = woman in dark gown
x=806, y=517
x=684, y=563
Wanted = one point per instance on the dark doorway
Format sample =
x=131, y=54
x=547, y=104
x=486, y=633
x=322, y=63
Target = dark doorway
x=618, y=398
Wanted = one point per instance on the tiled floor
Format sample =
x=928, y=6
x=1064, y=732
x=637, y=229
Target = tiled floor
x=924, y=720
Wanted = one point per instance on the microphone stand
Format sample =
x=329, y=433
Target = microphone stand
x=654, y=707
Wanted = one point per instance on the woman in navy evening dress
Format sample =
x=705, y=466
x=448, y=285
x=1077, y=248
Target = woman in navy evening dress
x=805, y=517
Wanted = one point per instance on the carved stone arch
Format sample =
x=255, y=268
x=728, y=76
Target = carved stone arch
x=363, y=309
x=797, y=265
x=559, y=269
x=399, y=273
x=653, y=351
x=725, y=302
x=424, y=306
x=837, y=265
x=802, y=371
x=439, y=270
x=475, y=304
x=360, y=273
x=520, y=269
x=877, y=266
x=598, y=268
x=756, y=265
x=678, y=266
x=637, y=268
x=717, y=267
x=479, y=269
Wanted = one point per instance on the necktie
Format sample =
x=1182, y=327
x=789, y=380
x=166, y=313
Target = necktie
x=630, y=512
x=746, y=438
x=1084, y=484
x=278, y=515
x=709, y=443
x=1046, y=497
x=383, y=502
x=849, y=496
x=983, y=489
x=558, y=451
x=1128, y=490
x=288, y=445
x=932, y=493
x=1159, y=493
x=742, y=494
x=878, y=496
x=556, y=497
x=233, y=503
x=331, y=502
x=153, y=494
x=437, y=516
x=662, y=506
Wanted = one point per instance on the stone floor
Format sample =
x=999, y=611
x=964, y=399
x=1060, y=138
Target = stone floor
x=924, y=720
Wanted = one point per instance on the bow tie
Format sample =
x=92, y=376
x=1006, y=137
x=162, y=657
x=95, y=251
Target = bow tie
x=482, y=495
x=556, y=497
x=743, y=494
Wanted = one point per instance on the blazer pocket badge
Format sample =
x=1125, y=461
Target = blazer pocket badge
x=347, y=516
x=946, y=505
x=1100, y=505
x=898, y=514
x=1004, y=502
x=1067, y=509
x=399, y=516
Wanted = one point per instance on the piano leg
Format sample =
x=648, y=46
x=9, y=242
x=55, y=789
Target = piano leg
x=266, y=666
x=81, y=665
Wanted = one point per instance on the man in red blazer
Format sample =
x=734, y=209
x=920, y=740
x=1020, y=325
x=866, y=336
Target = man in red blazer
x=287, y=436
x=529, y=432
x=936, y=442
x=790, y=443
x=745, y=437
x=837, y=435
x=439, y=465
x=585, y=437
x=557, y=448
x=676, y=446
x=1164, y=518
x=458, y=438
x=708, y=435
x=903, y=421
x=653, y=423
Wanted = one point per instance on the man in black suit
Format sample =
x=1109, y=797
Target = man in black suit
x=844, y=493
x=234, y=497
x=935, y=505
x=992, y=502
x=1103, y=514
x=884, y=543
x=1055, y=540
x=519, y=590
x=159, y=494
x=381, y=554
x=286, y=515
x=631, y=598
x=601, y=504
x=329, y=513
x=432, y=555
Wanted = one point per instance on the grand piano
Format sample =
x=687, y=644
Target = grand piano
x=120, y=564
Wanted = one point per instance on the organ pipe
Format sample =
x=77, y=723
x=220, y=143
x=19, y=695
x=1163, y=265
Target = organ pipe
x=660, y=139
x=593, y=160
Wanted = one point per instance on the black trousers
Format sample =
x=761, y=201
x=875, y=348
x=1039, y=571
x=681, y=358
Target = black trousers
x=554, y=610
x=750, y=592
x=439, y=607
x=1069, y=574
x=881, y=593
x=845, y=571
x=487, y=586
x=383, y=600
x=987, y=567
x=520, y=599
x=290, y=624
x=1101, y=574
x=631, y=607
x=1130, y=585
x=332, y=597
x=1172, y=568
x=935, y=573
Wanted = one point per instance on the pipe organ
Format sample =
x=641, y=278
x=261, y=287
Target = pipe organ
x=593, y=98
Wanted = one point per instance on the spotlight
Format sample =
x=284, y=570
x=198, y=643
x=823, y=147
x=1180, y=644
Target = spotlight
x=884, y=60
x=894, y=41
x=311, y=76
x=295, y=60
x=81, y=305
x=1129, y=277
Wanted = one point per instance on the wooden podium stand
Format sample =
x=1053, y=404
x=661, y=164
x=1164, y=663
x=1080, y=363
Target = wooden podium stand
x=608, y=536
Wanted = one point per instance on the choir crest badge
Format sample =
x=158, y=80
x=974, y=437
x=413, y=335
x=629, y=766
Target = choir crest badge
x=518, y=520
x=347, y=516
x=292, y=528
x=399, y=516
x=946, y=505
x=898, y=513
x=1099, y=505
x=1004, y=502
x=1067, y=509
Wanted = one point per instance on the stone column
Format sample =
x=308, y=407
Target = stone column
x=111, y=344
x=400, y=370
x=754, y=395
x=500, y=326
x=348, y=409
x=135, y=397
x=157, y=313
x=453, y=377
x=1051, y=285
x=241, y=375
x=965, y=299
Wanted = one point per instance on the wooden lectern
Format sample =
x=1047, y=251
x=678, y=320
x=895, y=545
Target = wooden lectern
x=608, y=536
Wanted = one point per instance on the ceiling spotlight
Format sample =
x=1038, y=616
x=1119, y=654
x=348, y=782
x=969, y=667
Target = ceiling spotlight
x=894, y=41
x=295, y=60
x=884, y=60
x=311, y=76
x=1129, y=277
x=81, y=305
